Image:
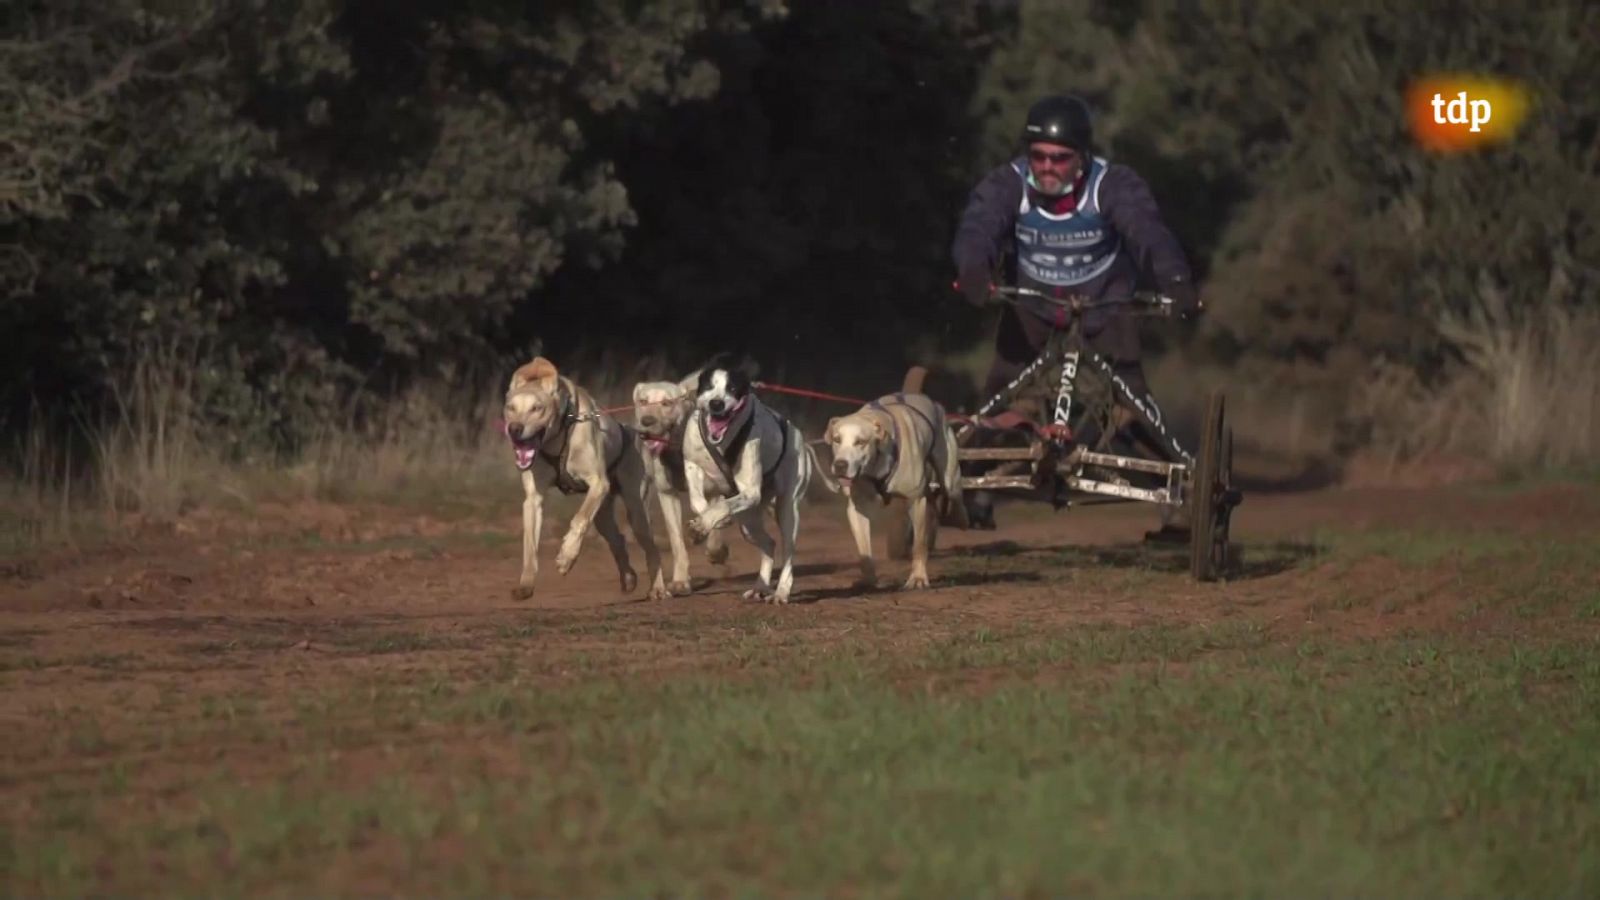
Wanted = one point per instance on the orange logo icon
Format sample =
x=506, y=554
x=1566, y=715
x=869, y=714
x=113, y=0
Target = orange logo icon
x=1454, y=113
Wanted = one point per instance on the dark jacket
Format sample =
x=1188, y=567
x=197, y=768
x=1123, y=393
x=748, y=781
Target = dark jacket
x=985, y=232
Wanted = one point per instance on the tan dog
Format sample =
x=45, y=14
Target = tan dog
x=561, y=437
x=661, y=414
x=898, y=446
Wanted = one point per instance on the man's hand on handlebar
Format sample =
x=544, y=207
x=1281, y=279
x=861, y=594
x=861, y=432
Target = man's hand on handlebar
x=1185, y=299
x=975, y=287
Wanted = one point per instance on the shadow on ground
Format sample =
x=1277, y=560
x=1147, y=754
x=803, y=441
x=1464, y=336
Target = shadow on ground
x=1248, y=561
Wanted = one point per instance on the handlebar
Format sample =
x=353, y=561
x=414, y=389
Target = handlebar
x=1144, y=303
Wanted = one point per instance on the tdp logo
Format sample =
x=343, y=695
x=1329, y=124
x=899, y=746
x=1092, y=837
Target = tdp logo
x=1452, y=113
x=1457, y=111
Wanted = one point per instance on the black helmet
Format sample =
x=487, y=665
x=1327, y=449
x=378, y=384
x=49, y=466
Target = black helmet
x=1062, y=119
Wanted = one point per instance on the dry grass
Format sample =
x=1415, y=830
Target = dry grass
x=1525, y=395
x=42, y=502
x=1274, y=426
x=152, y=455
x=175, y=441
x=1522, y=397
x=433, y=439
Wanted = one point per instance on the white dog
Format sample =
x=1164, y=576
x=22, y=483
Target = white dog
x=739, y=457
x=898, y=446
x=662, y=411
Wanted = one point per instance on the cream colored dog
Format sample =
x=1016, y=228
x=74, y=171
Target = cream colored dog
x=561, y=438
x=898, y=446
x=662, y=411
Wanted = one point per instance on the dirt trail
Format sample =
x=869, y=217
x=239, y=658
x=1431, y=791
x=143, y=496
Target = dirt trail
x=312, y=572
x=144, y=653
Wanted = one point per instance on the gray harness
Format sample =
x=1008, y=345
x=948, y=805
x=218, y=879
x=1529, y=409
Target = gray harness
x=882, y=484
x=721, y=453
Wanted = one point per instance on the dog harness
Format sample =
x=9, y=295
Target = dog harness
x=672, y=456
x=565, y=483
x=1066, y=249
x=721, y=453
x=882, y=484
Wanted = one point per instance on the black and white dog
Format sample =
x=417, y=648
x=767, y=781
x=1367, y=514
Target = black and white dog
x=740, y=456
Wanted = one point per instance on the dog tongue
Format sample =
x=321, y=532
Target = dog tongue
x=657, y=445
x=719, y=427
x=525, y=454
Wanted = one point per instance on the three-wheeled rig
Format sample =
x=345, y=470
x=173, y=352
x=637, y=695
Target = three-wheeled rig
x=1069, y=459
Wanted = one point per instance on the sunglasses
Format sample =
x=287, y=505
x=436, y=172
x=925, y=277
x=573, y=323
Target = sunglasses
x=1040, y=156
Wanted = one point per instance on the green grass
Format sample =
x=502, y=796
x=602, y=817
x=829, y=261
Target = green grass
x=1128, y=762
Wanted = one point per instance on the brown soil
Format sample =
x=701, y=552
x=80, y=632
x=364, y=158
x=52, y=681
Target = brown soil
x=193, y=650
x=285, y=586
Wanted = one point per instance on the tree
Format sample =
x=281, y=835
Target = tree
x=317, y=191
x=803, y=214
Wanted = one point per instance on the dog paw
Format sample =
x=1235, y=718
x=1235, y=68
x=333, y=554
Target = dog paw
x=760, y=595
x=566, y=558
x=680, y=588
x=522, y=592
x=629, y=579
x=915, y=583
x=717, y=555
x=864, y=583
x=660, y=593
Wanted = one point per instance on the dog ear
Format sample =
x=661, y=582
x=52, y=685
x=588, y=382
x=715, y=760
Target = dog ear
x=691, y=382
x=541, y=371
x=879, y=432
x=638, y=392
x=832, y=434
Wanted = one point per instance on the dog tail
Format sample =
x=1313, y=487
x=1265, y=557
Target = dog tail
x=821, y=471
